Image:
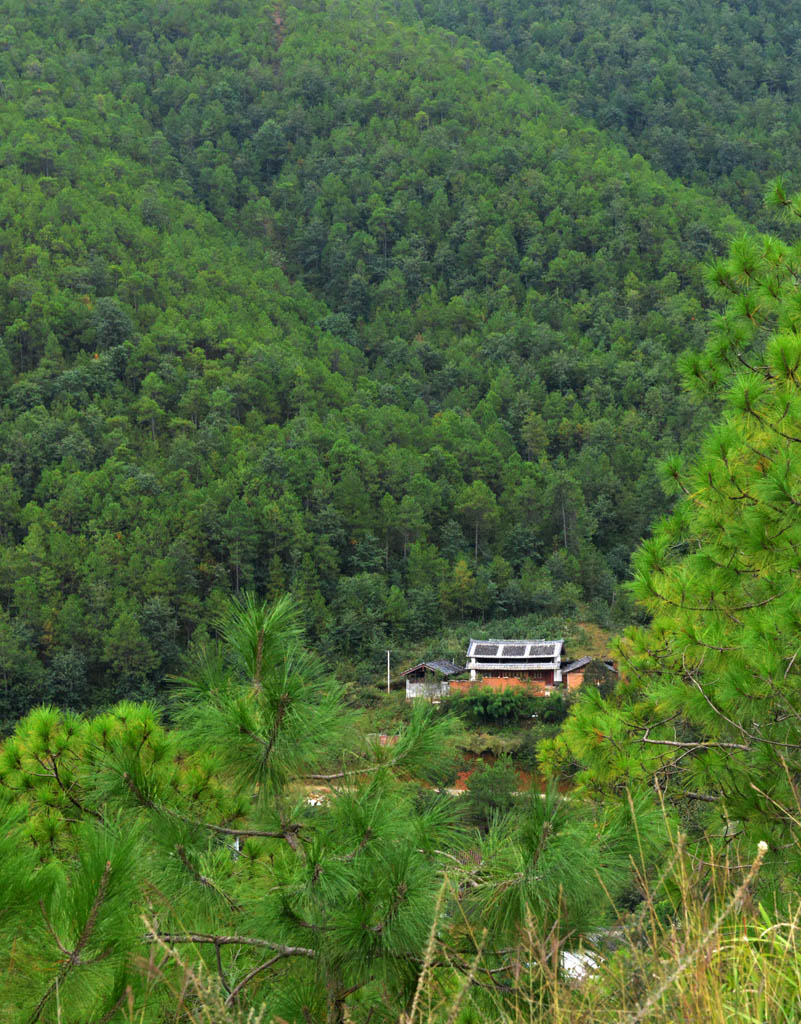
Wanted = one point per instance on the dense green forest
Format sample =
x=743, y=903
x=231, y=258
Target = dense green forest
x=707, y=92
x=271, y=855
x=316, y=299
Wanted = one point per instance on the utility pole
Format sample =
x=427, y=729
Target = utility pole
x=388, y=676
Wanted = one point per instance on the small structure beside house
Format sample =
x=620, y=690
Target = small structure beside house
x=429, y=679
x=573, y=674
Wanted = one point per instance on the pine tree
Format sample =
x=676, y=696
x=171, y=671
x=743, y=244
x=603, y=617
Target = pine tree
x=710, y=703
x=124, y=842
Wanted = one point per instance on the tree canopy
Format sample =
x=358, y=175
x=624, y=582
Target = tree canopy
x=707, y=92
x=319, y=300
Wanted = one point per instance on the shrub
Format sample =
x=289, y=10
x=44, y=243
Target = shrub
x=490, y=791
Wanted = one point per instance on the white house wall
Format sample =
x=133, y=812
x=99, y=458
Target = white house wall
x=431, y=691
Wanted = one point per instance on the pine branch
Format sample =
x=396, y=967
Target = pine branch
x=243, y=833
x=54, y=774
x=74, y=958
x=279, y=717
x=346, y=858
x=174, y=938
x=251, y=975
x=546, y=831
x=741, y=729
x=62, y=948
x=257, y=666
x=348, y=774
x=694, y=745
x=397, y=903
x=204, y=879
x=289, y=832
x=107, y=1016
x=92, y=919
x=717, y=608
x=220, y=971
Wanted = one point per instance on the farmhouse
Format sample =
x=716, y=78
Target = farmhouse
x=534, y=665
x=537, y=666
x=526, y=660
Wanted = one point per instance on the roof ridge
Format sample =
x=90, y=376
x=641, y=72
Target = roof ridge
x=508, y=640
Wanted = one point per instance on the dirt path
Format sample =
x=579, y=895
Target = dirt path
x=280, y=31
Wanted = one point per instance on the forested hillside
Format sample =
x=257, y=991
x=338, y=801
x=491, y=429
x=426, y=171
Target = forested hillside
x=316, y=299
x=708, y=92
x=355, y=325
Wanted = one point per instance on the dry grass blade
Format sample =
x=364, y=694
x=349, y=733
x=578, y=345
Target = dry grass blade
x=692, y=956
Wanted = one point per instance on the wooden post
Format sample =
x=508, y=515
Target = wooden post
x=388, y=672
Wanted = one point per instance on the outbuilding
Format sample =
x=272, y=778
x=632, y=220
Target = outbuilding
x=429, y=679
x=574, y=672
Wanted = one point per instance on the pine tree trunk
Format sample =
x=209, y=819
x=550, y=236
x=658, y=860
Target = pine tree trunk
x=336, y=1003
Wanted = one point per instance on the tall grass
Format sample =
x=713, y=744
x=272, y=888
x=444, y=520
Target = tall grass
x=700, y=949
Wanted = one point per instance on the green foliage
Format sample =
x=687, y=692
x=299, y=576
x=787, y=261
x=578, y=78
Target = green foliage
x=719, y=956
x=709, y=707
x=321, y=299
x=541, y=871
x=490, y=791
x=255, y=858
x=306, y=305
x=266, y=705
x=707, y=93
x=525, y=753
x=504, y=706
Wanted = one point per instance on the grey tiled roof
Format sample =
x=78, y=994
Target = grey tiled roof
x=574, y=666
x=445, y=668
